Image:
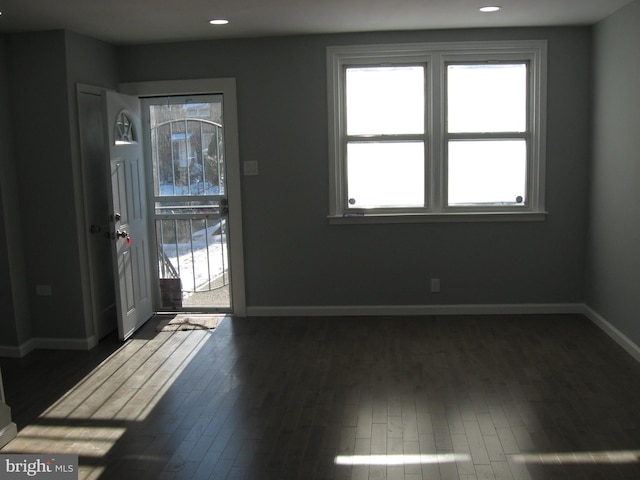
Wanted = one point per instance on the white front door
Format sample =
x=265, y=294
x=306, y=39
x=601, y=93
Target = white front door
x=129, y=233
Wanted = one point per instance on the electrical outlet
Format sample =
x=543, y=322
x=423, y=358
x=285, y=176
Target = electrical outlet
x=435, y=285
x=250, y=167
x=43, y=290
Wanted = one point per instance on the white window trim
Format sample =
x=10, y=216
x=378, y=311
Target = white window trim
x=435, y=55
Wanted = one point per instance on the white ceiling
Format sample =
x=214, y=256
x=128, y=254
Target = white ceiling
x=150, y=21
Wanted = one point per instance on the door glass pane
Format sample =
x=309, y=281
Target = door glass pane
x=187, y=147
x=385, y=174
x=487, y=98
x=193, y=253
x=385, y=100
x=487, y=172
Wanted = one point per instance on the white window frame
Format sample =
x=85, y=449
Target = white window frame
x=436, y=56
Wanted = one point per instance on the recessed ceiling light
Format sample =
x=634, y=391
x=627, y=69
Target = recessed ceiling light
x=490, y=8
x=219, y=21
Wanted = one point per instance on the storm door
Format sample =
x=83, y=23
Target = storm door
x=191, y=212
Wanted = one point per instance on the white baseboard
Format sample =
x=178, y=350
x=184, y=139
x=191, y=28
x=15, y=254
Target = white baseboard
x=17, y=352
x=48, y=344
x=9, y=352
x=620, y=338
x=63, y=343
x=381, y=310
x=8, y=433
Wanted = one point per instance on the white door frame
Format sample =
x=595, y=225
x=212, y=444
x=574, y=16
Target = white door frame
x=226, y=87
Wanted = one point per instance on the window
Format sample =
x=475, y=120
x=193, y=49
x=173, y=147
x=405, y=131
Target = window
x=437, y=131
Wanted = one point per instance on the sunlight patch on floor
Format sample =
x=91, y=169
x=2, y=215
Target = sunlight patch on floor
x=416, y=459
x=616, y=456
x=94, y=415
x=83, y=441
x=129, y=384
x=595, y=457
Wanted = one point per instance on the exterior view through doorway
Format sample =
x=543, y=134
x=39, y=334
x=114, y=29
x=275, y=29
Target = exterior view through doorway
x=190, y=201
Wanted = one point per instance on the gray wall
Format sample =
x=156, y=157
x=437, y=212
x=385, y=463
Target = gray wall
x=40, y=117
x=8, y=326
x=614, y=240
x=42, y=71
x=295, y=258
x=15, y=326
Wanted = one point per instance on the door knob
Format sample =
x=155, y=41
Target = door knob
x=122, y=234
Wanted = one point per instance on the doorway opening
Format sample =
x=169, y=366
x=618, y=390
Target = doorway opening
x=189, y=201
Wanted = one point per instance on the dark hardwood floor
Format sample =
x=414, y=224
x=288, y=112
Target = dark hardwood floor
x=504, y=397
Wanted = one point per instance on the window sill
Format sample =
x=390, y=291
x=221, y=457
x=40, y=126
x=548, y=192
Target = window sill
x=437, y=217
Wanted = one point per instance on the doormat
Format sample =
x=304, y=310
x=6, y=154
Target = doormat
x=195, y=322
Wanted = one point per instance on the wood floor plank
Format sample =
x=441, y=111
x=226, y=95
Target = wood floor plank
x=477, y=447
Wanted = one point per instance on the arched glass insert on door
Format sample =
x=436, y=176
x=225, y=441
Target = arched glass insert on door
x=125, y=131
